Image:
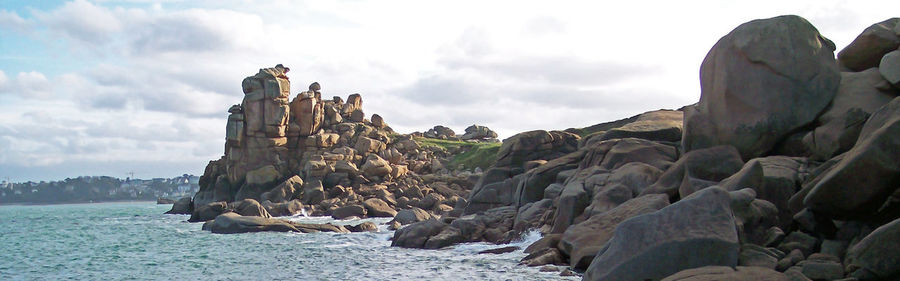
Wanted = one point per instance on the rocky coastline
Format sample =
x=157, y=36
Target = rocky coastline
x=785, y=169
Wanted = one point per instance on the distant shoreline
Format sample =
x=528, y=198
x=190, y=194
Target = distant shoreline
x=77, y=203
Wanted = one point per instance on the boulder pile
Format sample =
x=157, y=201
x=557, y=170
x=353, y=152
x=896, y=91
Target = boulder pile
x=786, y=169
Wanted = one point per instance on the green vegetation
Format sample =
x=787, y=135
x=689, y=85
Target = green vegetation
x=474, y=154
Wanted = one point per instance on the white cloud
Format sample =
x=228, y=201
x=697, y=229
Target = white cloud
x=83, y=21
x=4, y=81
x=12, y=21
x=27, y=85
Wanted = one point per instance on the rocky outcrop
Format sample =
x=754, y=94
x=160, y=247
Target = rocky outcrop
x=478, y=132
x=744, y=78
x=440, y=132
x=325, y=155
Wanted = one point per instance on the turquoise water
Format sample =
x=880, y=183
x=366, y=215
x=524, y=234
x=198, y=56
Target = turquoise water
x=135, y=241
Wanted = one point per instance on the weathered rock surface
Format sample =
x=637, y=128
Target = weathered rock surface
x=890, y=68
x=477, y=132
x=183, y=206
x=582, y=241
x=717, y=273
x=659, y=244
x=859, y=95
x=661, y=125
x=745, y=77
x=378, y=208
x=408, y=216
x=867, y=49
x=348, y=211
x=285, y=191
x=208, y=211
x=877, y=255
x=535, y=145
x=708, y=165
x=417, y=234
x=230, y=223
x=868, y=174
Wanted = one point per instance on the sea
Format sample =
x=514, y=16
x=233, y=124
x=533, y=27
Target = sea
x=136, y=241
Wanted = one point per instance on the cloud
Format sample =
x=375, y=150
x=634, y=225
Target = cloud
x=195, y=31
x=4, y=81
x=82, y=21
x=12, y=21
x=27, y=85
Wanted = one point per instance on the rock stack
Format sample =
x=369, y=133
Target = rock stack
x=324, y=157
x=786, y=169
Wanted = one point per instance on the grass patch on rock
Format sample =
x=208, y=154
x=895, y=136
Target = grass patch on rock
x=466, y=154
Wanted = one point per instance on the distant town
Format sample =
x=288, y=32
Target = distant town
x=87, y=189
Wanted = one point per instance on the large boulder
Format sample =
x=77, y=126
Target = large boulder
x=890, y=68
x=697, y=231
x=876, y=256
x=412, y=215
x=376, y=167
x=696, y=170
x=477, y=132
x=249, y=207
x=867, y=49
x=535, y=145
x=660, y=125
x=717, y=273
x=440, y=132
x=367, y=145
x=496, y=187
x=183, y=206
x=759, y=84
x=285, y=191
x=582, y=241
x=860, y=95
x=230, y=223
x=349, y=211
x=417, y=234
x=208, y=211
x=289, y=208
x=867, y=175
x=378, y=208
x=258, y=181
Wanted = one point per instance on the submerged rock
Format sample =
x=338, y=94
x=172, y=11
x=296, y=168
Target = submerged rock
x=230, y=223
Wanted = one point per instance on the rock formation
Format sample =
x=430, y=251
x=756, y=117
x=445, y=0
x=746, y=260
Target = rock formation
x=786, y=169
x=323, y=157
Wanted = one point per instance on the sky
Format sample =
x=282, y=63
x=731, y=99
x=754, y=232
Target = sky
x=112, y=87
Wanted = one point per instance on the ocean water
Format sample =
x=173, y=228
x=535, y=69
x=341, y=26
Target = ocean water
x=135, y=241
